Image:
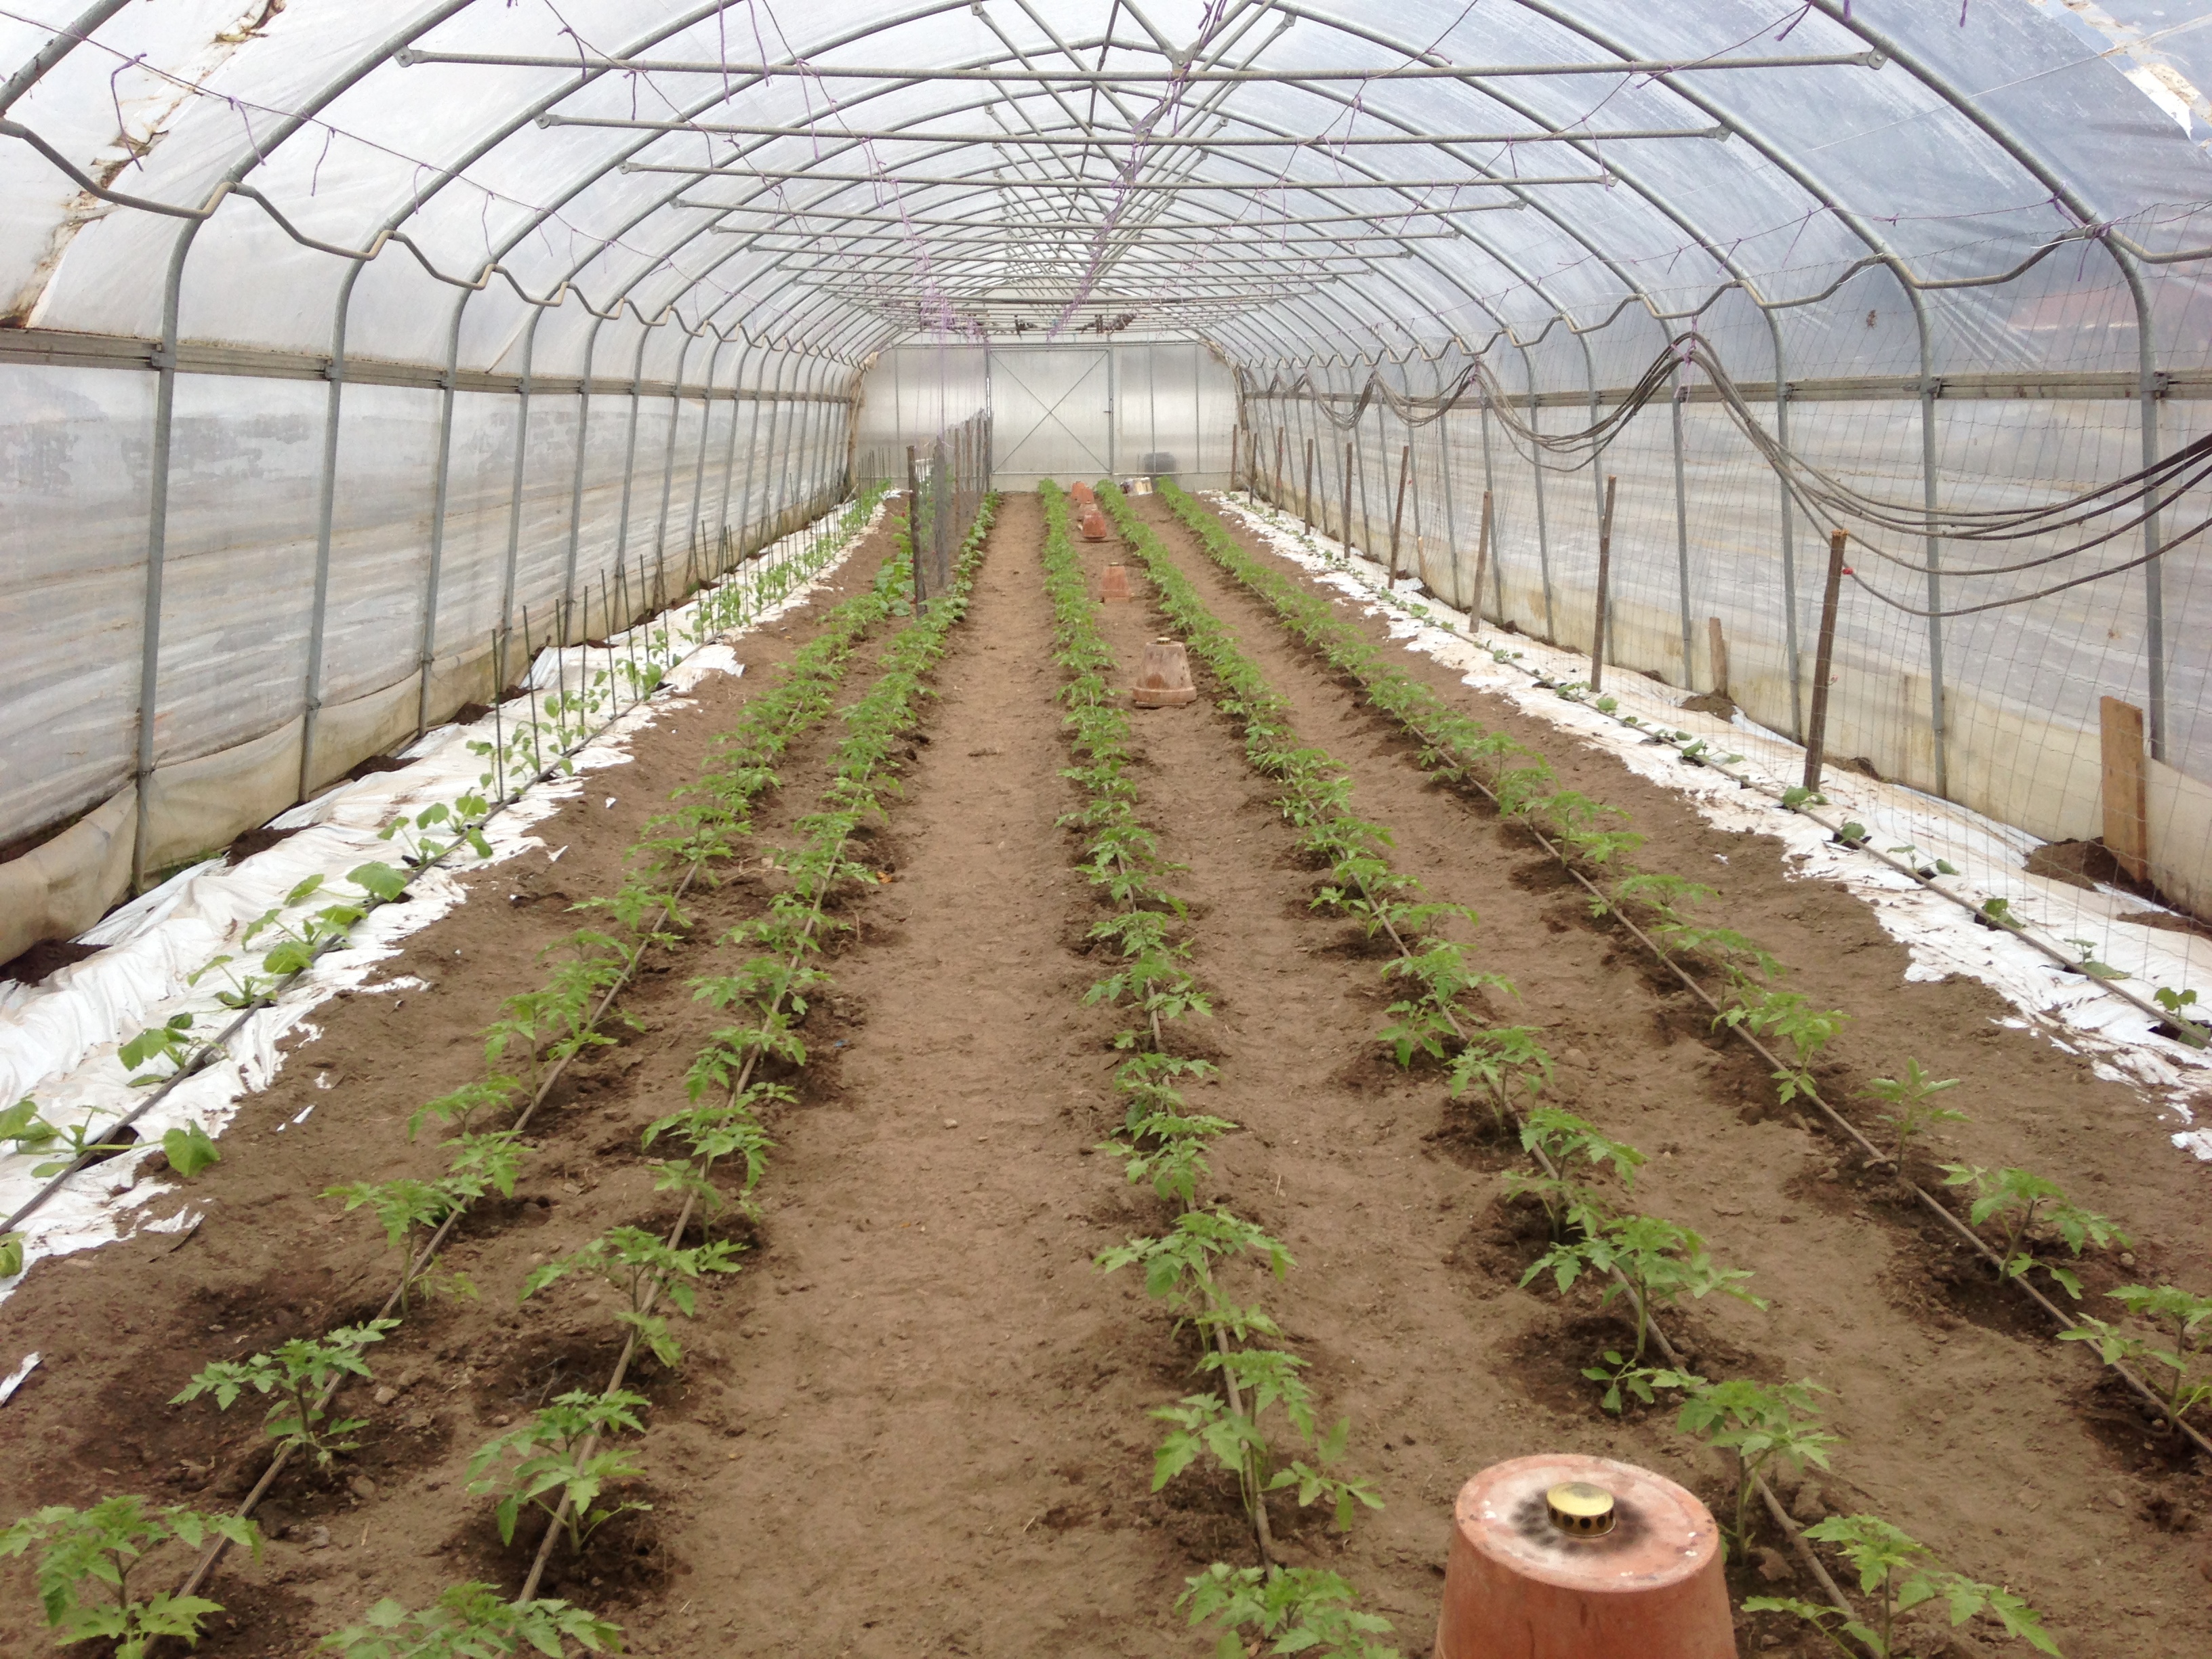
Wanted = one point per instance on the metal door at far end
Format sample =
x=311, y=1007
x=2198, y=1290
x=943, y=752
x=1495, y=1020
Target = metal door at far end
x=1052, y=416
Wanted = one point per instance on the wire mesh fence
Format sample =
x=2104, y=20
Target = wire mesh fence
x=946, y=478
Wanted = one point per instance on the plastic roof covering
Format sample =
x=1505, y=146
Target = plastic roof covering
x=2061, y=136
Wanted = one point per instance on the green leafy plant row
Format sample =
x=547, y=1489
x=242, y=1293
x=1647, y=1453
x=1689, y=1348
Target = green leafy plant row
x=563, y=1460
x=1257, y=1421
x=1592, y=838
x=1652, y=1262
x=552, y=1462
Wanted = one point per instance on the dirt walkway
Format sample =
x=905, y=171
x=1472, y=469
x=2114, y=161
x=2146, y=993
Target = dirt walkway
x=940, y=1405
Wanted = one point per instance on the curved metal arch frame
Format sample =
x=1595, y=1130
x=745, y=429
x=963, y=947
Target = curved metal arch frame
x=58, y=47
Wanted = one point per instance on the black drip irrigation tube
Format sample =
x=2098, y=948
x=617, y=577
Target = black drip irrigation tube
x=208, y=1051
x=417, y=1263
x=1153, y=552
x=1873, y=1156
x=951, y=602
x=2185, y=1031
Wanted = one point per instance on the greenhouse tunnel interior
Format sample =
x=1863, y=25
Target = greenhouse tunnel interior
x=1512, y=558
x=372, y=340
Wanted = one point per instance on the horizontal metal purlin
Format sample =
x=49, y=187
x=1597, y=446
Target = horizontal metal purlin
x=2054, y=386
x=66, y=348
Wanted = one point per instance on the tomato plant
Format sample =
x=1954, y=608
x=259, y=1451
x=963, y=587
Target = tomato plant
x=473, y=1621
x=2020, y=1201
x=301, y=1373
x=1903, y=1573
x=87, y=1557
x=2183, y=1322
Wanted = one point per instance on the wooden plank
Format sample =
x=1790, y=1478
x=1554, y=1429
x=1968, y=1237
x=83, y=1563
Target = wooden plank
x=2126, y=779
x=1717, y=643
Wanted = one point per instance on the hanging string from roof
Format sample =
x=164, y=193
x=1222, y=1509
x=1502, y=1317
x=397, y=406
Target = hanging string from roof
x=2103, y=514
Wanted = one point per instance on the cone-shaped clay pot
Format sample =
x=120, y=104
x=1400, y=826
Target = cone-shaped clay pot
x=1581, y=1557
x=1084, y=494
x=1117, y=585
x=1164, y=681
x=1093, y=525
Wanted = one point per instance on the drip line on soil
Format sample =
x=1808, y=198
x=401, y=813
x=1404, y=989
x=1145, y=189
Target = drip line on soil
x=1935, y=1206
x=209, y=1052
x=417, y=1263
x=590, y=1443
x=1744, y=779
x=1132, y=529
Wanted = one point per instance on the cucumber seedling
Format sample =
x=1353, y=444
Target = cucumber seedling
x=302, y=1374
x=473, y=1621
x=1903, y=1573
x=1656, y=1262
x=559, y=1466
x=2183, y=1345
x=87, y=1557
x=2018, y=1202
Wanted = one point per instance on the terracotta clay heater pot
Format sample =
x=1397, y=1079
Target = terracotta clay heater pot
x=1093, y=525
x=1164, y=682
x=1116, y=583
x=1084, y=494
x=1566, y=1557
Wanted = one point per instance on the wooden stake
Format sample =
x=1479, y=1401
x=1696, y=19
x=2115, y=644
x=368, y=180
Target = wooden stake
x=2126, y=786
x=1604, y=581
x=913, y=526
x=1824, y=659
x=1481, y=557
x=1309, y=461
x=1347, y=497
x=1716, y=647
x=1398, y=512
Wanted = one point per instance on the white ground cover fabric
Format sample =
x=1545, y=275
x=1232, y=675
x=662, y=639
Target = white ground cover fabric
x=59, y=1039
x=2077, y=1012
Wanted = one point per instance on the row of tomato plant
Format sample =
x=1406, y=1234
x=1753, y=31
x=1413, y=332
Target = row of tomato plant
x=2177, y=1010
x=86, y=1556
x=1257, y=1422
x=1438, y=1018
x=2019, y=1221
x=571, y=1454
x=317, y=916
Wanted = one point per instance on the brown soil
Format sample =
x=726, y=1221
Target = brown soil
x=916, y=1423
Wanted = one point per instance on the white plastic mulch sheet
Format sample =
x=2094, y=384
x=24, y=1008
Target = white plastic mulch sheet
x=59, y=1040
x=2073, y=1010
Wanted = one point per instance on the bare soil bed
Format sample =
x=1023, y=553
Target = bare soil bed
x=916, y=1423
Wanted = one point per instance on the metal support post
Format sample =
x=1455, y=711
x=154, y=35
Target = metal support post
x=1348, y=453
x=311, y=699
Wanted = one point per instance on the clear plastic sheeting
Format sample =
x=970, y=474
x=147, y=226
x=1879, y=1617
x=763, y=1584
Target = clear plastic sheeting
x=343, y=348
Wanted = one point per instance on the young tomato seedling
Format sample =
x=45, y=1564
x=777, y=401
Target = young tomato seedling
x=86, y=1559
x=473, y=1621
x=1305, y=1610
x=2020, y=1201
x=1760, y=1423
x=1656, y=1262
x=2182, y=1319
x=639, y=1265
x=1912, y=1107
x=559, y=1466
x=298, y=1373
x=1903, y=1573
